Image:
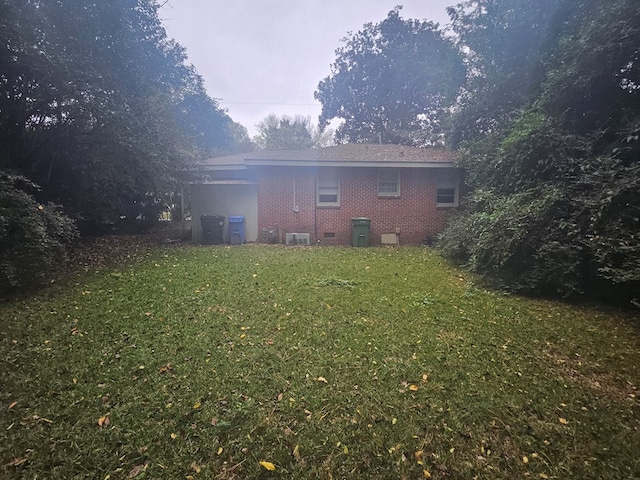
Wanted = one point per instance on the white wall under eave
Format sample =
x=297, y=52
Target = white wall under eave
x=225, y=200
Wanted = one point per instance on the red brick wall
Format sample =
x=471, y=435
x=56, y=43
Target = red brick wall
x=414, y=213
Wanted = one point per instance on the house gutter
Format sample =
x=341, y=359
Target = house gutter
x=206, y=167
x=343, y=163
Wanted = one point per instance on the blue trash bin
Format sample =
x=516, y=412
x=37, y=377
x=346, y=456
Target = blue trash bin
x=236, y=229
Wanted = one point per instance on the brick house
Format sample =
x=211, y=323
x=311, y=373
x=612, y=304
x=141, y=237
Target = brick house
x=406, y=192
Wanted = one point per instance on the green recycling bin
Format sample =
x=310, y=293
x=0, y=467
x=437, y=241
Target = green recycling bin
x=360, y=231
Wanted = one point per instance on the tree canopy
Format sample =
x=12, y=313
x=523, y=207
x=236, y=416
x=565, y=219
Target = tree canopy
x=97, y=105
x=393, y=82
x=99, y=114
x=504, y=43
x=554, y=160
x=285, y=133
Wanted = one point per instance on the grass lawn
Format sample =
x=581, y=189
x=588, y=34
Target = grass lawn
x=203, y=362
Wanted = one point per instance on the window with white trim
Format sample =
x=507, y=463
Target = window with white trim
x=447, y=188
x=328, y=188
x=388, y=182
x=446, y=196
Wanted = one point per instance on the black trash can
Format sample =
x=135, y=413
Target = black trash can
x=360, y=231
x=212, y=226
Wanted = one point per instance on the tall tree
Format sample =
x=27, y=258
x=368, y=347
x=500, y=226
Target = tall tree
x=593, y=80
x=97, y=105
x=394, y=82
x=504, y=43
x=556, y=172
x=285, y=132
x=241, y=141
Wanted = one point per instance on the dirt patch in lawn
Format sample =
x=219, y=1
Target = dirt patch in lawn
x=585, y=373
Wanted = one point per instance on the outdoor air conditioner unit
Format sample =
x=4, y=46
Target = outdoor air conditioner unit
x=298, y=239
x=270, y=235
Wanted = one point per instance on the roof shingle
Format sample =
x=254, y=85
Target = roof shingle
x=352, y=152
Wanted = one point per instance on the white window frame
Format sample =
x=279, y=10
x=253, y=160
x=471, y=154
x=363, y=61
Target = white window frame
x=328, y=183
x=386, y=178
x=448, y=180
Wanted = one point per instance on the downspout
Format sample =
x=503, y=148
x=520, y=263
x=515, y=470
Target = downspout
x=294, y=192
x=183, y=221
x=295, y=207
x=315, y=209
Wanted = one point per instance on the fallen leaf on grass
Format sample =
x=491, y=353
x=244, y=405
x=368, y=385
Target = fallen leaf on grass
x=197, y=405
x=419, y=456
x=563, y=421
x=296, y=453
x=16, y=462
x=268, y=465
x=135, y=471
x=36, y=417
x=165, y=368
x=322, y=379
x=426, y=474
x=414, y=388
x=104, y=421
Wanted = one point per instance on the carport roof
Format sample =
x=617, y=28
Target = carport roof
x=353, y=154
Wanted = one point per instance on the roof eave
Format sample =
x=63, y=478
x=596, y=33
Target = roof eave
x=332, y=163
x=221, y=167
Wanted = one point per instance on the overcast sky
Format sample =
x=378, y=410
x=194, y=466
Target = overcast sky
x=268, y=56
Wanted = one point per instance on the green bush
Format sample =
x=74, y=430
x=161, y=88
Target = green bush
x=578, y=237
x=34, y=238
x=519, y=240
